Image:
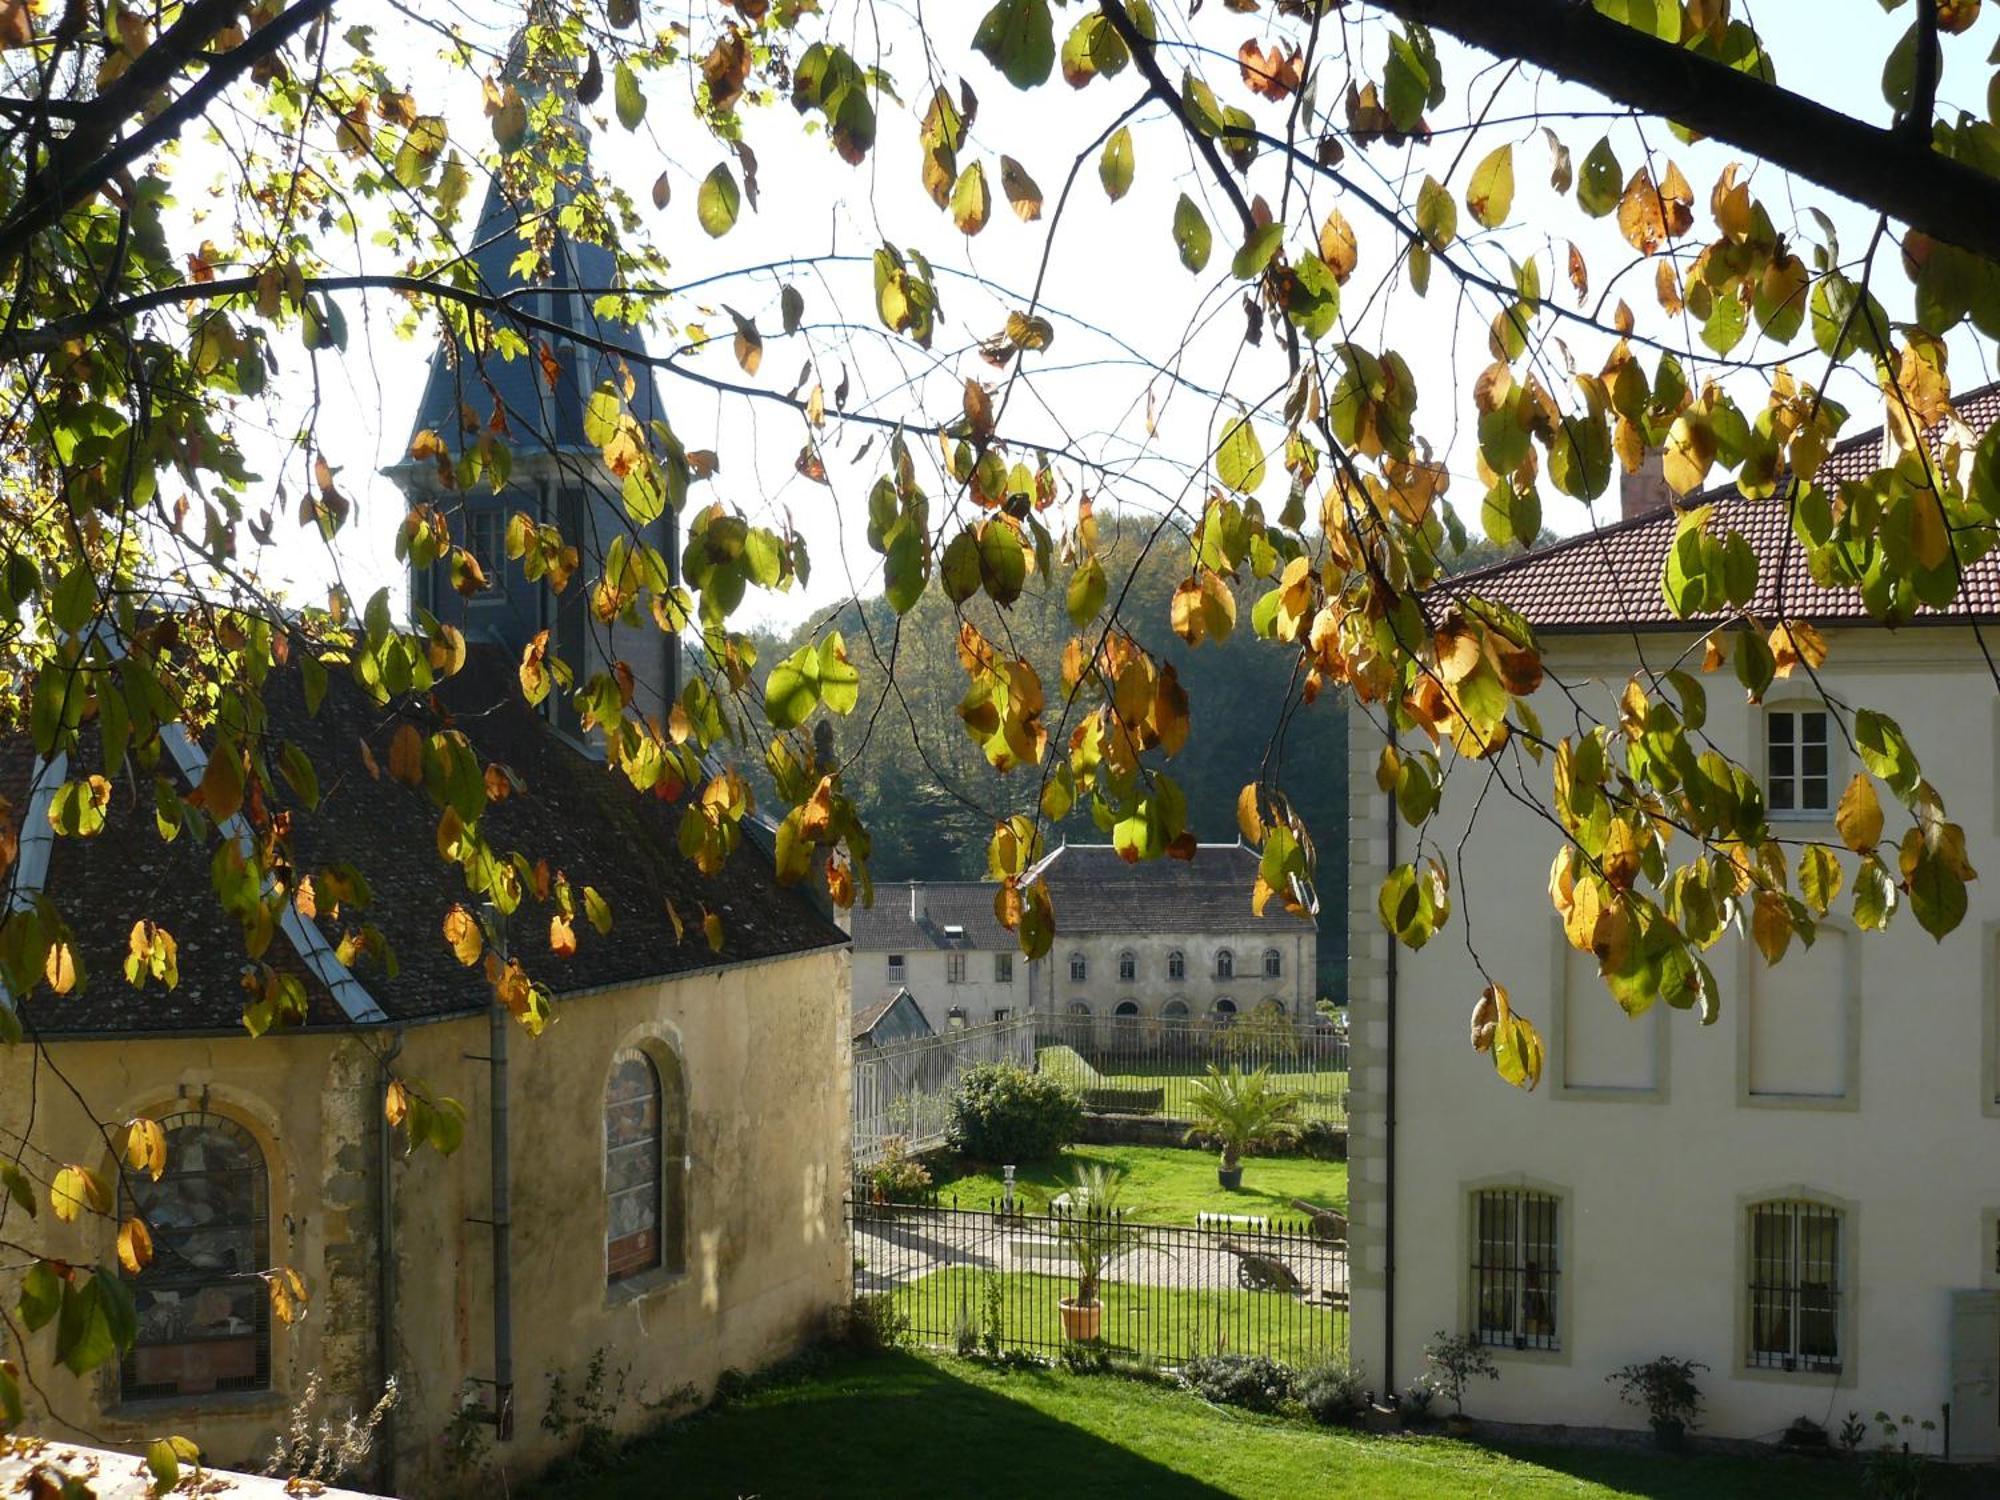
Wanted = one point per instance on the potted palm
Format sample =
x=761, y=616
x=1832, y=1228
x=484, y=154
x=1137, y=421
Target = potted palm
x=1095, y=1233
x=1241, y=1110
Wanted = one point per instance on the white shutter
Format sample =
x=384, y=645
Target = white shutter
x=1975, y=1374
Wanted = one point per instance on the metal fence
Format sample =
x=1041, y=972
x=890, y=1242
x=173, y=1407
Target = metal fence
x=986, y=1278
x=903, y=1091
x=1149, y=1065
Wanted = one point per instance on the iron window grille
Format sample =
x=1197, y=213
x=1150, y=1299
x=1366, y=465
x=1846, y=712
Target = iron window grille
x=954, y=968
x=1795, y=1286
x=1798, y=774
x=632, y=1167
x=1515, y=1268
x=204, y=1316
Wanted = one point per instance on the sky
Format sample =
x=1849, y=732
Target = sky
x=1123, y=306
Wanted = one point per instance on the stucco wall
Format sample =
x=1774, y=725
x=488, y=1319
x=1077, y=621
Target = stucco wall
x=1863, y=1073
x=1152, y=990
x=925, y=976
x=764, y=1050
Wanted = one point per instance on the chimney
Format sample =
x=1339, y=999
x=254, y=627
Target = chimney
x=913, y=901
x=1646, y=491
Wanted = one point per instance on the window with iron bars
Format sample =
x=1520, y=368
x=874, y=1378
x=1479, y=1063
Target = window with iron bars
x=1795, y=1286
x=1515, y=1266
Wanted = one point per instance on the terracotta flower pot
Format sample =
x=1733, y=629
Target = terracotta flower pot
x=1081, y=1320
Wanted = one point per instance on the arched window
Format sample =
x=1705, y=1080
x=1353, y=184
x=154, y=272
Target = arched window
x=204, y=1317
x=1274, y=963
x=1225, y=964
x=1177, y=968
x=1128, y=966
x=1225, y=1009
x=1175, y=1010
x=1128, y=1010
x=1271, y=1007
x=1080, y=1010
x=1079, y=968
x=645, y=1171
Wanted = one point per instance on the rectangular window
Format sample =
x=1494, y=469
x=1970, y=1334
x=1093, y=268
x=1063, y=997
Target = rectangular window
x=1079, y=969
x=1514, y=1268
x=1128, y=967
x=486, y=540
x=1002, y=1013
x=1003, y=968
x=1797, y=779
x=1794, y=1286
x=954, y=968
x=895, y=968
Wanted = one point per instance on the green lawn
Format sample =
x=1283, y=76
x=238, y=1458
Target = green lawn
x=923, y=1427
x=1322, y=1091
x=1163, y=1324
x=1167, y=1185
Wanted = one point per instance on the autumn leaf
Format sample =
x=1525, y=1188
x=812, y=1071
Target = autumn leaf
x=145, y=1148
x=1490, y=195
x=462, y=935
x=1859, y=815
x=135, y=1246
x=406, y=755
x=1020, y=189
x=74, y=1190
x=288, y=1294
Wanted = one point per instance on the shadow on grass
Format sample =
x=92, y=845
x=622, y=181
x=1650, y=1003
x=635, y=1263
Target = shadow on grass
x=1647, y=1472
x=887, y=1427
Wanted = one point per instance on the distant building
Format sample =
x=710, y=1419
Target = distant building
x=1165, y=938
x=897, y=1019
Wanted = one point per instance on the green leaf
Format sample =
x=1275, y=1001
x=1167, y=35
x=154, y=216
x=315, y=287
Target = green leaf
x=1490, y=195
x=792, y=690
x=1257, y=251
x=1601, y=182
x=1003, y=561
x=1886, y=752
x=41, y=1296
x=1437, y=214
x=717, y=202
x=1115, y=167
x=1087, y=590
x=1819, y=877
x=958, y=569
x=628, y=97
x=1874, y=896
x=971, y=200
x=1018, y=37
x=1191, y=235
x=839, y=682
x=1937, y=894
x=1239, y=456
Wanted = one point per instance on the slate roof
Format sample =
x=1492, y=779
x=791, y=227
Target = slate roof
x=897, y=1019
x=583, y=817
x=1094, y=890
x=888, y=927
x=538, y=415
x=1609, y=577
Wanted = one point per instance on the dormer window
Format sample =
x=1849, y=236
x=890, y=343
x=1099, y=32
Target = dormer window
x=1798, y=777
x=486, y=540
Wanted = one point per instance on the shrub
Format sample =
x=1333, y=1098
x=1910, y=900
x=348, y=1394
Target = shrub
x=1333, y=1395
x=899, y=1177
x=1004, y=1113
x=871, y=1325
x=1805, y=1433
x=1253, y=1381
x=1894, y=1471
x=1414, y=1405
x=1452, y=1362
x=1666, y=1388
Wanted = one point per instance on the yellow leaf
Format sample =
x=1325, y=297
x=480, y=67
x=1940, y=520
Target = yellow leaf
x=1859, y=816
x=288, y=1294
x=1337, y=246
x=711, y=927
x=145, y=1147
x=461, y=931
x=1511, y=1038
x=406, y=755
x=1794, y=642
x=76, y=1189
x=135, y=1246
x=60, y=969
x=562, y=936
x=1248, y=818
x=1771, y=925
x=396, y=1102
x=1020, y=189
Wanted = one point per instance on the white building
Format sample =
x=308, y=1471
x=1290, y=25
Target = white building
x=1804, y=1196
x=1167, y=938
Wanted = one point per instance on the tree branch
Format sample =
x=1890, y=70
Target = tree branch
x=85, y=159
x=1881, y=169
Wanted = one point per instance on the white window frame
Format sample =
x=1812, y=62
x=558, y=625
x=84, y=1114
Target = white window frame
x=1797, y=1208
x=1079, y=968
x=1792, y=714
x=897, y=968
x=954, y=968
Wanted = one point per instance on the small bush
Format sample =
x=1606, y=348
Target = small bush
x=899, y=1177
x=1333, y=1395
x=1452, y=1362
x=1805, y=1433
x=1003, y=1113
x=1252, y=1381
x=1414, y=1405
x=872, y=1325
x=1666, y=1388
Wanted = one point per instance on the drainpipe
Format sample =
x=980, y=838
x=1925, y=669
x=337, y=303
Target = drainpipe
x=385, y=1263
x=503, y=1262
x=1389, y=1139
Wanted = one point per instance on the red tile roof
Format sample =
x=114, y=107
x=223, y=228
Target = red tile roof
x=1609, y=577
